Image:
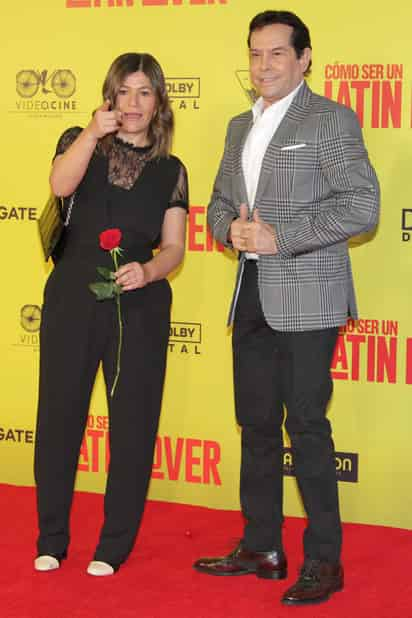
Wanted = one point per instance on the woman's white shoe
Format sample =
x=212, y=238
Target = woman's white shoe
x=46, y=563
x=99, y=569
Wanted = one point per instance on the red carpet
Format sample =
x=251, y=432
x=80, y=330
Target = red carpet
x=158, y=581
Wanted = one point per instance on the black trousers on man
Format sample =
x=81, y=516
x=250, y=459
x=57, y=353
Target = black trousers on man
x=273, y=369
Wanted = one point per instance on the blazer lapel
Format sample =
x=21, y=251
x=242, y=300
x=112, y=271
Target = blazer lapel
x=288, y=126
x=239, y=142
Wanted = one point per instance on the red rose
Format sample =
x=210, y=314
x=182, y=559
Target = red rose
x=110, y=239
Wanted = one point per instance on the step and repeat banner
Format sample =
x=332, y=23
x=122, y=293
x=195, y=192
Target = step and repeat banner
x=55, y=56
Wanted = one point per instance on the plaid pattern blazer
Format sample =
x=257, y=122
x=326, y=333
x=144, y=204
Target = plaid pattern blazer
x=317, y=188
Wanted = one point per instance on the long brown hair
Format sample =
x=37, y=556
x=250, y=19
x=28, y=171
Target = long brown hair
x=160, y=132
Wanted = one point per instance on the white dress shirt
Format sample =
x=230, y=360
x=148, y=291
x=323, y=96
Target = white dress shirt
x=265, y=122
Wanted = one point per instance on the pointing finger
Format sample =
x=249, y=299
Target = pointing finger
x=106, y=106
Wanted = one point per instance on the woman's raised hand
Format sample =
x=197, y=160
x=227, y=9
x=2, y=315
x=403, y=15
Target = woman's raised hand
x=104, y=121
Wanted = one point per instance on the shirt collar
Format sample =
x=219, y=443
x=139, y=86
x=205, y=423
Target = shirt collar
x=258, y=110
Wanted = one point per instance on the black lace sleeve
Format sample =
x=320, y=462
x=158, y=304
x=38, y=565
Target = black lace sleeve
x=67, y=139
x=180, y=195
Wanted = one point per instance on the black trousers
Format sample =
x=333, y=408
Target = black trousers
x=76, y=335
x=274, y=369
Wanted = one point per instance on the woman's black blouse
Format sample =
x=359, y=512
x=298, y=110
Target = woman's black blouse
x=122, y=188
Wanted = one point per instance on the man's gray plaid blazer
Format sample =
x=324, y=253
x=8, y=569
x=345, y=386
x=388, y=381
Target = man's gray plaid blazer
x=317, y=188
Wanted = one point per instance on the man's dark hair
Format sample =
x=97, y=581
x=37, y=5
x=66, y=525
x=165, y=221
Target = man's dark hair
x=300, y=38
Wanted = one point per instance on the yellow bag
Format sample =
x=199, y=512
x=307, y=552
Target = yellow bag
x=51, y=224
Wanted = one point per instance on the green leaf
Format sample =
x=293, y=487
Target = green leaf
x=104, y=290
x=106, y=273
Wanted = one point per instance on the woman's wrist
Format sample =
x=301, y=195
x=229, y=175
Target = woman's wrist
x=147, y=272
x=89, y=135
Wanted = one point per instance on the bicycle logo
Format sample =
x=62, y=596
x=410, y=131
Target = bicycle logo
x=30, y=317
x=62, y=82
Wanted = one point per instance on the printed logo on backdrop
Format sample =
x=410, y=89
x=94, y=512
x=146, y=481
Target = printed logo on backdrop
x=46, y=92
x=406, y=224
x=185, y=338
x=199, y=237
x=190, y=460
x=16, y=435
x=372, y=351
x=376, y=92
x=17, y=213
x=116, y=4
x=184, y=92
x=95, y=450
x=29, y=326
x=346, y=465
x=249, y=90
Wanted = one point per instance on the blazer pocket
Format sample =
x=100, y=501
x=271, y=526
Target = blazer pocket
x=293, y=147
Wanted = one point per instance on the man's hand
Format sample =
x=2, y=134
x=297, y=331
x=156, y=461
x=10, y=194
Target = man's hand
x=237, y=228
x=261, y=238
x=254, y=236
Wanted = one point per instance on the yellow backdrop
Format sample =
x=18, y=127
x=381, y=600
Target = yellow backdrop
x=55, y=55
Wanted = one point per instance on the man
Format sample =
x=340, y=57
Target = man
x=294, y=184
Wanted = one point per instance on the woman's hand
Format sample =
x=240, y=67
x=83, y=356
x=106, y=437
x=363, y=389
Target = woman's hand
x=70, y=167
x=131, y=276
x=104, y=121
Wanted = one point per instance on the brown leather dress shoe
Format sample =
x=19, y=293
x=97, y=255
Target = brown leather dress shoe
x=317, y=581
x=265, y=564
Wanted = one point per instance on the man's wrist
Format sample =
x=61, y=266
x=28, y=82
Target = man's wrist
x=229, y=231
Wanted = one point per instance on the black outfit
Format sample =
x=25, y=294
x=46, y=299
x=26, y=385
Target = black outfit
x=122, y=189
x=273, y=369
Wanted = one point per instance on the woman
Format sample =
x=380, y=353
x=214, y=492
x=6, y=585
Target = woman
x=122, y=176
